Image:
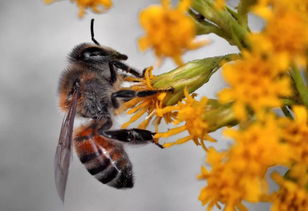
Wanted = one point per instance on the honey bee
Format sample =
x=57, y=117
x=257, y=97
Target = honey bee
x=90, y=88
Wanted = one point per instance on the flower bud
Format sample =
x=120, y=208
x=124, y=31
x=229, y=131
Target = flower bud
x=191, y=75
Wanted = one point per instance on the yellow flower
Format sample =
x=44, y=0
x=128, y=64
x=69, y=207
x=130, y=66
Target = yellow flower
x=293, y=38
x=263, y=46
x=191, y=75
x=97, y=6
x=222, y=186
x=255, y=82
x=149, y=105
x=169, y=31
x=265, y=8
x=286, y=29
x=289, y=197
x=296, y=134
x=192, y=113
x=291, y=41
x=298, y=173
x=238, y=174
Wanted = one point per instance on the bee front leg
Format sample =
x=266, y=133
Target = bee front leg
x=113, y=75
x=128, y=94
x=132, y=136
x=128, y=69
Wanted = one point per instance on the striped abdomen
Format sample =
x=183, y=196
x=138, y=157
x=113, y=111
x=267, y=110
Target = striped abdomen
x=105, y=159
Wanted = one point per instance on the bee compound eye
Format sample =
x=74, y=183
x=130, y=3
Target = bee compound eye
x=94, y=54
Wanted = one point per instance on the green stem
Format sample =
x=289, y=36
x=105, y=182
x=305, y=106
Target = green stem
x=306, y=68
x=203, y=26
x=219, y=115
x=226, y=20
x=300, y=85
x=243, y=9
x=288, y=101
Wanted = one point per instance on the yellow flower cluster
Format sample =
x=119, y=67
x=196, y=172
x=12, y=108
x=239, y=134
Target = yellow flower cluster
x=260, y=79
x=238, y=174
x=296, y=134
x=285, y=36
x=259, y=82
x=196, y=117
x=169, y=31
x=149, y=105
x=256, y=82
x=97, y=6
x=171, y=89
x=289, y=197
x=191, y=112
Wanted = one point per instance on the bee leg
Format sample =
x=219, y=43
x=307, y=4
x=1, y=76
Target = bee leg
x=127, y=69
x=128, y=94
x=132, y=136
x=104, y=123
x=124, y=94
x=113, y=75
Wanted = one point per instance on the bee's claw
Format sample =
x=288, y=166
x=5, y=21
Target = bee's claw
x=159, y=145
x=143, y=72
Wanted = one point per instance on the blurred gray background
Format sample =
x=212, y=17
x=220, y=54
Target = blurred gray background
x=35, y=40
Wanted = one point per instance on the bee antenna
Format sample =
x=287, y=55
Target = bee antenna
x=92, y=32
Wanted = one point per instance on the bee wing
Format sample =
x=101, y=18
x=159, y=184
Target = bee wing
x=64, y=147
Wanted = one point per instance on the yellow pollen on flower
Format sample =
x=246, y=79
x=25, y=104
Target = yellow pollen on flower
x=265, y=8
x=255, y=82
x=190, y=112
x=286, y=30
x=238, y=173
x=97, y=6
x=149, y=105
x=296, y=134
x=291, y=40
x=290, y=196
x=169, y=31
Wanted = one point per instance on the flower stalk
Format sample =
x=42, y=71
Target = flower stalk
x=191, y=75
x=229, y=27
x=219, y=115
x=243, y=9
x=300, y=85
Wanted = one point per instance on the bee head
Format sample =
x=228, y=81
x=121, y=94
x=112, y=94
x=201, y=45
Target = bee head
x=93, y=54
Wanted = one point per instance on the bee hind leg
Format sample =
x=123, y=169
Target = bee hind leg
x=132, y=136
